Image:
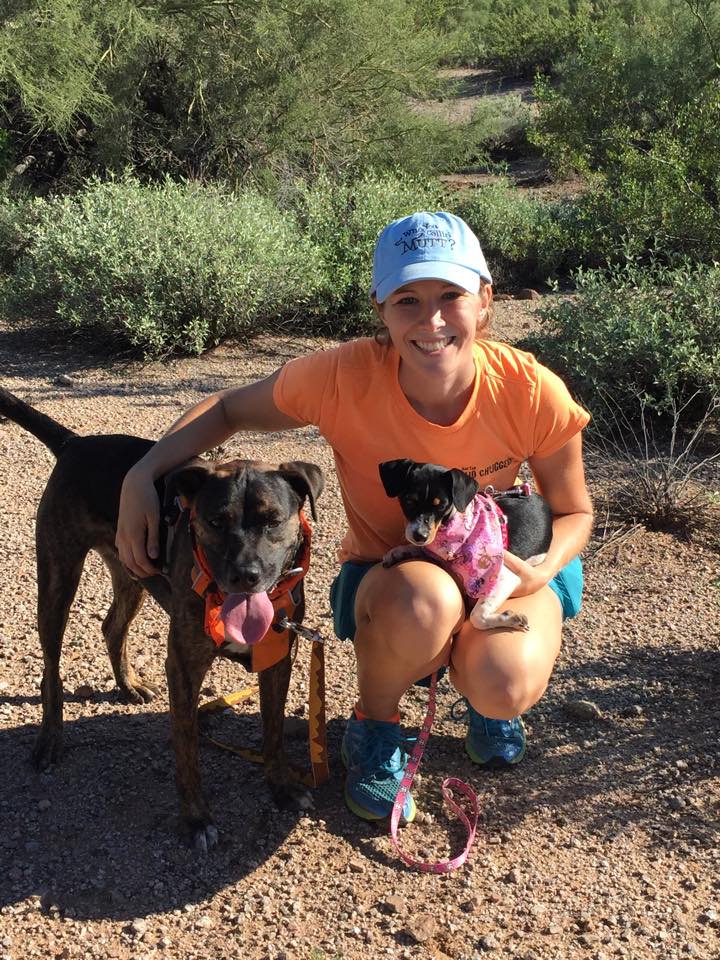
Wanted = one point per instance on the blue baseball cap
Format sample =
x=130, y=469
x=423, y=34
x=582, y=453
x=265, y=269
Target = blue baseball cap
x=427, y=246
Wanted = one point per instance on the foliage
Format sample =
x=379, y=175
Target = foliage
x=626, y=79
x=647, y=332
x=19, y=216
x=658, y=482
x=342, y=221
x=520, y=37
x=174, y=266
x=525, y=239
x=664, y=197
x=182, y=266
x=203, y=89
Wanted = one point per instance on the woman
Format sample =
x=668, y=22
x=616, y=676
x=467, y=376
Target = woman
x=428, y=387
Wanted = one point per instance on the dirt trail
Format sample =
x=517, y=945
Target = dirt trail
x=602, y=844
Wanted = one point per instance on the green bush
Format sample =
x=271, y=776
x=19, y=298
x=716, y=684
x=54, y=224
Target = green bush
x=342, y=219
x=663, y=197
x=626, y=79
x=525, y=239
x=244, y=91
x=172, y=267
x=18, y=219
x=518, y=36
x=640, y=335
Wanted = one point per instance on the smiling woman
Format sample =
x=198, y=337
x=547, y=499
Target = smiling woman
x=432, y=391
x=433, y=325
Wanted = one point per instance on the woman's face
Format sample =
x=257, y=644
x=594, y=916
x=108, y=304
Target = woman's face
x=433, y=324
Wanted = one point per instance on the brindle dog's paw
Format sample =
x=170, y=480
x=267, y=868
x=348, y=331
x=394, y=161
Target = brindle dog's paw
x=202, y=834
x=46, y=750
x=137, y=690
x=292, y=796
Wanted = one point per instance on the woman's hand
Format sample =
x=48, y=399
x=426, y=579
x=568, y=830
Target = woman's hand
x=532, y=578
x=138, y=524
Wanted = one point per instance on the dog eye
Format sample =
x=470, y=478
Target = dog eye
x=217, y=523
x=268, y=523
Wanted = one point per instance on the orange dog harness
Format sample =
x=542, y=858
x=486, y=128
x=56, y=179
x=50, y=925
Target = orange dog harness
x=285, y=597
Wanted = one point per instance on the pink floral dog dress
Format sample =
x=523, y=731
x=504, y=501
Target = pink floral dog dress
x=472, y=543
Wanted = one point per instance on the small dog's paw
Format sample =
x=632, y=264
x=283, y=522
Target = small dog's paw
x=138, y=690
x=394, y=556
x=514, y=621
x=292, y=796
x=203, y=835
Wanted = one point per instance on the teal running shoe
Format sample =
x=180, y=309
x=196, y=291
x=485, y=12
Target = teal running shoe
x=491, y=743
x=374, y=755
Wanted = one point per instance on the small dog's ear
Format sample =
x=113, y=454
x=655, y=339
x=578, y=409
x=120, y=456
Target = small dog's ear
x=186, y=480
x=306, y=479
x=464, y=489
x=394, y=475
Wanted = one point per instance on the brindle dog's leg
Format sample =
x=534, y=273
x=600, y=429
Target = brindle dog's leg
x=127, y=600
x=190, y=654
x=274, y=683
x=59, y=565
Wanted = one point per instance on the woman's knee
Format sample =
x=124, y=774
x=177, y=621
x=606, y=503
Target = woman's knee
x=501, y=676
x=428, y=599
x=501, y=697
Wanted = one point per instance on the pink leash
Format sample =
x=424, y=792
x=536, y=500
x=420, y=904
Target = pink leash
x=449, y=785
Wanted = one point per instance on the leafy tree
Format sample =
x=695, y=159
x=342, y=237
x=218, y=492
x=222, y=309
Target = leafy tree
x=258, y=88
x=642, y=62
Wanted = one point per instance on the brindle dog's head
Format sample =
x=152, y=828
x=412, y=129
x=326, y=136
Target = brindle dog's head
x=429, y=495
x=245, y=516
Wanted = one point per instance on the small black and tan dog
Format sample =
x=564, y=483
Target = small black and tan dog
x=450, y=520
x=245, y=517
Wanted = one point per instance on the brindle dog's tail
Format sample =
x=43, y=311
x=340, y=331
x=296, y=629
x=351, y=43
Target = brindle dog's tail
x=53, y=434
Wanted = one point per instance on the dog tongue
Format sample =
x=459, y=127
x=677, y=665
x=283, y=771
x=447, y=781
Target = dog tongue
x=246, y=616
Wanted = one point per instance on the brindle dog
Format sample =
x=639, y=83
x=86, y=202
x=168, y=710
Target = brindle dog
x=246, y=518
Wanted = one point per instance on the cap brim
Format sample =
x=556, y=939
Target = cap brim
x=430, y=270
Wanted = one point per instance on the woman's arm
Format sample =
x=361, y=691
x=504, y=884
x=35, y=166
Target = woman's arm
x=202, y=427
x=561, y=480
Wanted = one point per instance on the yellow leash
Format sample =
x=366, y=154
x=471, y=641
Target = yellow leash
x=317, y=729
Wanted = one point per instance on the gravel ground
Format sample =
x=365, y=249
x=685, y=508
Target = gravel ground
x=604, y=843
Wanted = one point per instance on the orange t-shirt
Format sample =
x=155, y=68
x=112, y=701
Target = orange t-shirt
x=518, y=409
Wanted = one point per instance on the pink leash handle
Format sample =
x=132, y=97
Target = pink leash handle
x=449, y=785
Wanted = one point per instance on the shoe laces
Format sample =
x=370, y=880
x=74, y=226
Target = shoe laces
x=385, y=750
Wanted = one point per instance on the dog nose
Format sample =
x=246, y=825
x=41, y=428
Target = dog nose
x=246, y=577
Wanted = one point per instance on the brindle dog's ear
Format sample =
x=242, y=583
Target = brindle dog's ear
x=464, y=489
x=186, y=480
x=395, y=475
x=306, y=479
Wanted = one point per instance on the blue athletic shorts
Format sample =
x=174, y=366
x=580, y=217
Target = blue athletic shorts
x=568, y=585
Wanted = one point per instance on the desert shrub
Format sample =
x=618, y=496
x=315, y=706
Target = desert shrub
x=637, y=332
x=626, y=79
x=205, y=89
x=171, y=267
x=525, y=239
x=518, y=36
x=662, y=478
x=500, y=124
x=663, y=197
x=18, y=218
x=342, y=219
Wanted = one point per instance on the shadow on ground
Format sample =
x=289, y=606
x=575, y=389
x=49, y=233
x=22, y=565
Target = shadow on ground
x=97, y=835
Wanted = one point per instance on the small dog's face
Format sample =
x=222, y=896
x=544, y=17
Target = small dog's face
x=245, y=517
x=429, y=495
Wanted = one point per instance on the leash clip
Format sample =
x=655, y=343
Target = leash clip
x=301, y=631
